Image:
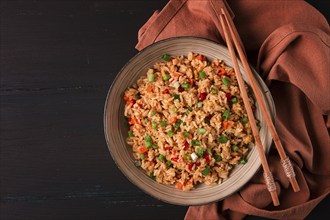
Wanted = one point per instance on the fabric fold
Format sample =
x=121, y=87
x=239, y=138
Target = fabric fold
x=288, y=43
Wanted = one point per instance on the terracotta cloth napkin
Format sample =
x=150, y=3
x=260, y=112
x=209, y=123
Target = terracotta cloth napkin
x=288, y=43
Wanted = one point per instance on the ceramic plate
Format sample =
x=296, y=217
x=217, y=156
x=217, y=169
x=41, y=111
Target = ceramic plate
x=116, y=128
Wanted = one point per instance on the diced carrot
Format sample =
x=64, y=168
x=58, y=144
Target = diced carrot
x=138, y=127
x=149, y=88
x=172, y=120
x=165, y=91
x=126, y=98
x=142, y=149
x=227, y=124
x=230, y=124
x=233, y=73
x=200, y=57
x=191, y=81
x=222, y=71
x=179, y=185
x=133, y=121
x=175, y=75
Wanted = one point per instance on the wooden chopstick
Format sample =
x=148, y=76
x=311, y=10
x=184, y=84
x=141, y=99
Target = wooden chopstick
x=267, y=173
x=285, y=161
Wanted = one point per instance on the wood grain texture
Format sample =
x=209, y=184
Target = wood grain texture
x=57, y=61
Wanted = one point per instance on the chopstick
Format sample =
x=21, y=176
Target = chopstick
x=285, y=161
x=267, y=173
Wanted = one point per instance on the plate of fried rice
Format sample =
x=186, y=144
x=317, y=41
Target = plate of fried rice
x=176, y=125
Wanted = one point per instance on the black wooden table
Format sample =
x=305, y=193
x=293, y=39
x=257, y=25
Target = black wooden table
x=58, y=59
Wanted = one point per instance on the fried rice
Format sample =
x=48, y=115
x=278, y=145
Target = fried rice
x=188, y=123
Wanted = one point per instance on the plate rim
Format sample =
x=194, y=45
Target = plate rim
x=105, y=117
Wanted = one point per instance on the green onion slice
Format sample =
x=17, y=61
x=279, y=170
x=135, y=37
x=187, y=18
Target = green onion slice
x=226, y=114
x=130, y=134
x=166, y=57
x=163, y=123
x=186, y=134
x=161, y=157
x=196, y=143
x=243, y=160
x=151, y=77
x=206, y=171
x=234, y=100
x=200, y=151
x=185, y=85
x=245, y=120
x=234, y=148
x=153, y=112
x=218, y=158
x=223, y=139
x=166, y=77
x=225, y=81
x=201, y=74
x=153, y=125
x=201, y=131
x=170, y=133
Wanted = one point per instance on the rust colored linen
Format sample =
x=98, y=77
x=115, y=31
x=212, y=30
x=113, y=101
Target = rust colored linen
x=288, y=43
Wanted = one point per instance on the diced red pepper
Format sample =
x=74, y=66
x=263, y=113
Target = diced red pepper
x=142, y=149
x=197, y=164
x=186, y=146
x=166, y=91
x=126, y=98
x=200, y=57
x=172, y=120
x=130, y=102
x=180, y=89
x=133, y=121
x=207, y=157
x=202, y=96
x=190, y=166
x=175, y=159
x=168, y=148
x=149, y=88
x=191, y=82
x=222, y=71
x=179, y=185
x=228, y=96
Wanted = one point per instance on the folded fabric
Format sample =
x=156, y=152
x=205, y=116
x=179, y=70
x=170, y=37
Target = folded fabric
x=288, y=43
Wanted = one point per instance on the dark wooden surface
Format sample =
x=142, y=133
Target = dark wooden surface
x=58, y=59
